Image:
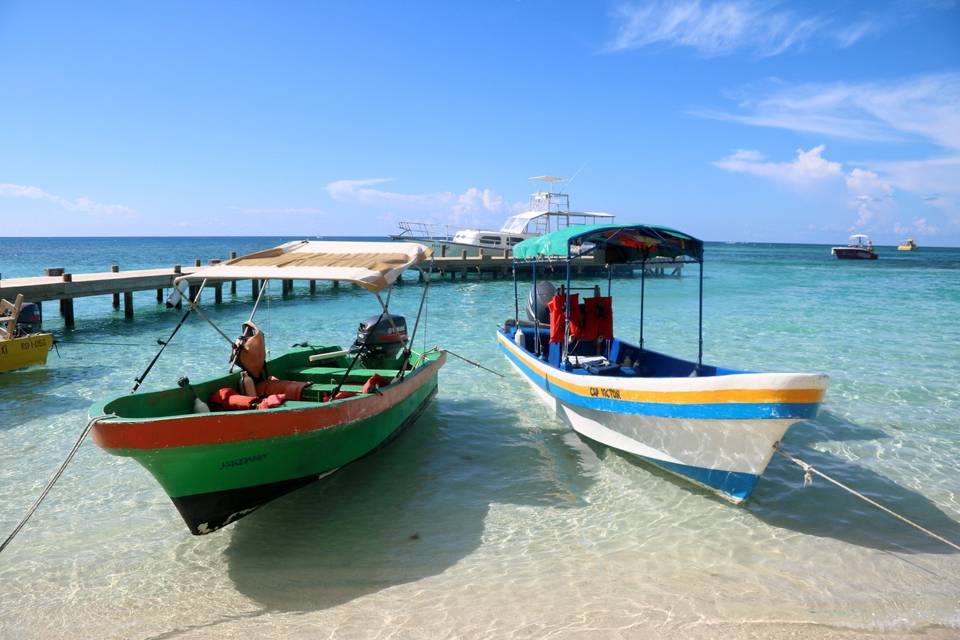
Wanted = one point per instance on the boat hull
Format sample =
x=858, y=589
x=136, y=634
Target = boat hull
x=718, y=432
x=220, y=467
x=854, y=253
x=17, y=353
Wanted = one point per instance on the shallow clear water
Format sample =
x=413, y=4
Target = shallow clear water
x=489, y=518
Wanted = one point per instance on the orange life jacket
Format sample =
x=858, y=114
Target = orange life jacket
x=599, y=318
x=558, y=316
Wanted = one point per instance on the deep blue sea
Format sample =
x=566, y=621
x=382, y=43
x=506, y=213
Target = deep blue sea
x=489, y=518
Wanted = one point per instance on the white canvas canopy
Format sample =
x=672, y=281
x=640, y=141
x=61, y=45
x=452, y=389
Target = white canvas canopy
x=372, y=265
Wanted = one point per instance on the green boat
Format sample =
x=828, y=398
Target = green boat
x=281, y=423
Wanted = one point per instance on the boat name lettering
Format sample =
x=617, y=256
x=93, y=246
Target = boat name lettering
x=242, y=461
x=600, y=392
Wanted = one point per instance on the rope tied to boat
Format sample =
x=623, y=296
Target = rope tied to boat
x=457, y=355
x=53, y=480
x=809, y=470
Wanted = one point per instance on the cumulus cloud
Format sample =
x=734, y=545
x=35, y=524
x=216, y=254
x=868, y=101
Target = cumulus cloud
x=727, y=26
x=451, y=207
x=807, y=168
x=82, y=204
x=866, y=192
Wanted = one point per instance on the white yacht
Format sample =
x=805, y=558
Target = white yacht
x=548, y=211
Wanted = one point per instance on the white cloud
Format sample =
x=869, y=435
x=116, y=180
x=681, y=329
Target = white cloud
x=451, y=207
x=280, y=210
x=82, y=204
x=807, y=168
x=722, y=27
x=923, y=108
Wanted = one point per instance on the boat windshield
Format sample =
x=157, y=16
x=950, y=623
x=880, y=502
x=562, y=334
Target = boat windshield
x=515, y=224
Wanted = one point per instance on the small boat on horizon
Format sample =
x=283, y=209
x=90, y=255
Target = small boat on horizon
x=859, y=247
x=279, y=424
x=20, y=346
x=547, y=211
x=714, y=426
x=907, y=245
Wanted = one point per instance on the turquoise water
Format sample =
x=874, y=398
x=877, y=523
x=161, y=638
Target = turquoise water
x=489, y=518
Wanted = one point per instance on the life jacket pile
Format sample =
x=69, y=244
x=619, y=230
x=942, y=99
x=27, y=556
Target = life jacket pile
x=588, y=321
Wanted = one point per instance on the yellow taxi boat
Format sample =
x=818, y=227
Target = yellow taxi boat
x=19, y=349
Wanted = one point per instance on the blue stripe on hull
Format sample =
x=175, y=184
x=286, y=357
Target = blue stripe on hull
x=715, y=411
x=732, y=484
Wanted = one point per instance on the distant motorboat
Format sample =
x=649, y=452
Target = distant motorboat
x=907, y=245
x=859, y=247
x=548, y=211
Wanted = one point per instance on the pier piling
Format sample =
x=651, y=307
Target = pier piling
x=116, y=296
x=128, y=304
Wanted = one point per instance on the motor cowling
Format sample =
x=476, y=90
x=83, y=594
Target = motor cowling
x=381, y=336
x=29, y=317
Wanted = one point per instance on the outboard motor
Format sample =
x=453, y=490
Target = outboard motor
x=29, y=318
x=537, y=302
x=381, y=337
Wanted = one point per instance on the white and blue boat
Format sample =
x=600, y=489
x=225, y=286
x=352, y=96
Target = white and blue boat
x=713, y=426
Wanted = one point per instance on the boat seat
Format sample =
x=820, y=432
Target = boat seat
x=323, y=375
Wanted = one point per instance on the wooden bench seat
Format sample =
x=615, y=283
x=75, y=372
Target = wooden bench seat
x=325, y=375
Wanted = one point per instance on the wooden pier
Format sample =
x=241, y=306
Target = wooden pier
x=62, y=286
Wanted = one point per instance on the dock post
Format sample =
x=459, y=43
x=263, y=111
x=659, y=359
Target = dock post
x=336, y=284
x=255, y=288
x=287, y=288
x=194, y=290
x=313, y=287
x=159, y=296
x=116, y=297
x=443, y=251
x=177, y=270
x=233, y=283
x=218, y=293
x=128, y=304
x=66, y=305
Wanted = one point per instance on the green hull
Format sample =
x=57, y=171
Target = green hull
x=242, y=459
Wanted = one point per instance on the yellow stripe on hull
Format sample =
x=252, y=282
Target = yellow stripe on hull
x=17, y=353
x=700, y=396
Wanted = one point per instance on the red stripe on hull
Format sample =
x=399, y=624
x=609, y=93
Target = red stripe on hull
x=221, y=427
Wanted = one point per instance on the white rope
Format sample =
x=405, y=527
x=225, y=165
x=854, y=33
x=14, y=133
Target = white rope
x=808, y=479
x=53, y=480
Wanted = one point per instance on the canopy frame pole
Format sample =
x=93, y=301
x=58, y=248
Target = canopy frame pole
x=386, y=313
x=700, y=324
x=643, y=286
x=516, y=299
x=609, y=279
x=163, y=344
x=196, y=307
x=536, y=316
x=566, y=324
x=416, y=324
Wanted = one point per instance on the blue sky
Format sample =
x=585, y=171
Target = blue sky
x=733, y=120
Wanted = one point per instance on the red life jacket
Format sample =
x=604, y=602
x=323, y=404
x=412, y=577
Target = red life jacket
x=226, y=399
x=558, y=316
x=292, y=389
x=599, y=318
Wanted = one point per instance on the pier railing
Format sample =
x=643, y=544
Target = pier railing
x=427, y=231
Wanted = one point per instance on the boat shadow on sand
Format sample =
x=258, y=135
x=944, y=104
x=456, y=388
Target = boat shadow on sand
x=823, y=509
x=408, y=512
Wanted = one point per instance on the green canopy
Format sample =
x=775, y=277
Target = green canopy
x=620, y=243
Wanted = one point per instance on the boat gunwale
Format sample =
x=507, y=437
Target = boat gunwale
x=763, y=380
x=99, y=408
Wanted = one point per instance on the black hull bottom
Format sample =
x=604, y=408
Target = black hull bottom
x=206, y=512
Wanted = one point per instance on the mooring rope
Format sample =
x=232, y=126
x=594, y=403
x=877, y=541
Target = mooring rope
x=480, y=366
x=53, y=480
x=808, y=469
